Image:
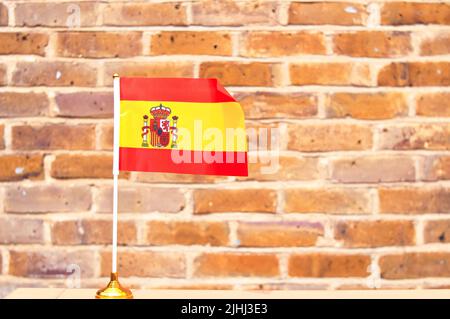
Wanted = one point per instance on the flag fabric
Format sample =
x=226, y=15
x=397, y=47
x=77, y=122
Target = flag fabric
x=180, y=125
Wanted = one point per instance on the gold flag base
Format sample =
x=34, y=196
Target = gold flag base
x=114, y=290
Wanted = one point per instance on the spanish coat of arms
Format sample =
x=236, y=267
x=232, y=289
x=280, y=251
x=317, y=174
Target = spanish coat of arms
x=158, y=132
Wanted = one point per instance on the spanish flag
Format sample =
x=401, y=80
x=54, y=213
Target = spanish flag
x=180, y=125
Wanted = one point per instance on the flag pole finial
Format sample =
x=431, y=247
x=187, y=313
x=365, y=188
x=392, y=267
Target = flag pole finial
x=115, y=75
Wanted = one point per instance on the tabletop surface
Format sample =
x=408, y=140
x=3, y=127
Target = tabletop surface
x=64, y=293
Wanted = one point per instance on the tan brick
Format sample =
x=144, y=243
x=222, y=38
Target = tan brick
x=374, y=44
x=55, y=14
x=21, y=231
x=147, y=69
x=373, y=169
x=398, y=13
x=54, y=73
x=283, y=168
x=23, y=43
x=51, y=263
x=337, y=13
x=187, y=233
x=106, y=137
x=144, y=14
x=3, y=79
x=273, y=44
x=334, y=73
x=415, y=265
x=92, y=232
x=416, y=136
x=98, y=44
x=2, y=136
x=47, y=199
x=433, y=104
x=3, y=14
x=53, y=136
x=178, y=178
x=415, y=74
x=234, y=264
x=146, y=264
x=18, y=104
x=142, y=200
x=414, y=200
x=191, y=42
x=329, y=200
x=437, y=44
x=436, y=168
x=234, y=13
x=437, y=231
x=379, y=233
x=85, y=104
x=21, y=166
x=328, y=265
x=82, y=166
x=262, y=105
x=366, y=106
x=278, y=234
x=245, y=200
x=239, y=74
x=329, y=137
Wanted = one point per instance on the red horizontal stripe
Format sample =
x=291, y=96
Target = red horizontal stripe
x=173, y=90
x=160, y=160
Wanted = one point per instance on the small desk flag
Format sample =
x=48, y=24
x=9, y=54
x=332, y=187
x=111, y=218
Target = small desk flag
x=180, y=125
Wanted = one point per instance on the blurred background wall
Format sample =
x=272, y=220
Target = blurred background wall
x=357, y=92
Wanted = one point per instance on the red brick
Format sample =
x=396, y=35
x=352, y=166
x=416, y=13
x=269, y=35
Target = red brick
x=416, y=136
x=379, y=233
x=187, y=233
x=239, y=74
x=233, y=264
x=50, y=263
x=3, y=14
x=398, y=13
x=47, y=199
x=144, y=14
x=148, y=69
x=278, y=234
x=366, y=106
x=15, y=104
x=21, y=231
x=433, y=104
x=329, y=200
x=142, y=200
x=234, y=13
x=54, y=73
x=328, y=265
x=21, y=166
x=191, y=42
x=85, y=104
x=273, y=44
x=415, y=74
x=262, y=105
x=3, y=80
x=415, y=265
x=438, y=44
x=53, y=136
x=245, y=200
x=414, y=200
x=329, y=137
x=2, y=136
x=436, y=168
x=98, y=44
x=373, y=169
x=82, y=166
x=334, y=73
x=437, y=231
x=106, y=137
x=146, y=264
x=23, y=43
x=374, y=44
x=92, y=232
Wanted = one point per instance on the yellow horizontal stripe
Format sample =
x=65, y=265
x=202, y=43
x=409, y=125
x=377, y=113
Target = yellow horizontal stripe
x=201, y=126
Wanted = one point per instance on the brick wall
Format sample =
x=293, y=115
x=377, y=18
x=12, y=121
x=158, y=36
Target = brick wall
x=358, y=90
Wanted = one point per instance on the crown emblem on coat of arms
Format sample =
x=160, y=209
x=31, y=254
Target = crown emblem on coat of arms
x=159, y=131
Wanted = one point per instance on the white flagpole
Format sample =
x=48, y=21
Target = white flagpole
x=115, y=172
